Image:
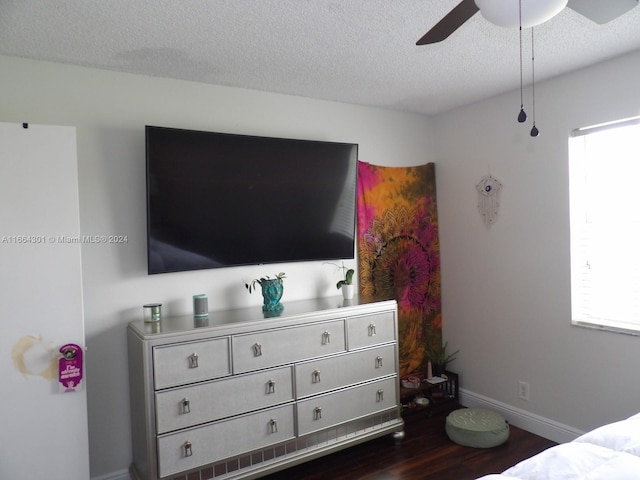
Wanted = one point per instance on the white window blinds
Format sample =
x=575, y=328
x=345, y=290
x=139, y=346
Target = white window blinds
x=604, y=176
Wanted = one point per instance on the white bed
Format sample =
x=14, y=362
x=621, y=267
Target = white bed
x=610, y=452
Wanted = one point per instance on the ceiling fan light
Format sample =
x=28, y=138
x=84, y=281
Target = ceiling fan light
x=505, y=13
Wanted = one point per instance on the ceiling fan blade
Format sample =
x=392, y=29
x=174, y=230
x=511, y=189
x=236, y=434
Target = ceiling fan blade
x=602, y=12
x=450, y=23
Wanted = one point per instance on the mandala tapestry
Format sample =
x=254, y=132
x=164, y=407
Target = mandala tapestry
x=399, y=252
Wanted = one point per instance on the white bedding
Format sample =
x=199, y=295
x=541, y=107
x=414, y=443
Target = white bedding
x=611, y=452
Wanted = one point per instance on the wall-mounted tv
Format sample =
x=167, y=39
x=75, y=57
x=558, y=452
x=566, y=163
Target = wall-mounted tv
x=223, y=200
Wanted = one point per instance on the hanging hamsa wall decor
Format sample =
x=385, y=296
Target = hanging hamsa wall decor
x=489, y=198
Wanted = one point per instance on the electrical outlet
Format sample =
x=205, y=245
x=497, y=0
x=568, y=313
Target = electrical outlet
x=523, y=390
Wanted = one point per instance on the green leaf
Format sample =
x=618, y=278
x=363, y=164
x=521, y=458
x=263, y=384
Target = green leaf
x=349, y=276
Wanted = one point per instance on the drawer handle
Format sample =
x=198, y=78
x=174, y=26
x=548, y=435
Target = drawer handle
x=257, y=349
x=326, y=338
x=378, y=361
x=274, y=425
x=186, y=405
x=317, y=413
x=372, y=329
x=380, y=396
x=271, y=387
x=188, y=451
x=193, y=360
x=315, y=376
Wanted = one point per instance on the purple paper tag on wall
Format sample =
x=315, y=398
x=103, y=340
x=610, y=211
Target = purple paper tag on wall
x=70, y=368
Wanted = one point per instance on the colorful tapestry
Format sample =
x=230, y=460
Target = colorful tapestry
x=399, y=252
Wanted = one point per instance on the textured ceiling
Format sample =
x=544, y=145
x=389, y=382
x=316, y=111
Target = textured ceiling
x=355, y=51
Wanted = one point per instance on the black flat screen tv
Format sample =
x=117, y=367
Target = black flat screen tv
x=223, y=200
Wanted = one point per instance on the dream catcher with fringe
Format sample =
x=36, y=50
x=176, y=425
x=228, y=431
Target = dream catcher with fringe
x=489, y=198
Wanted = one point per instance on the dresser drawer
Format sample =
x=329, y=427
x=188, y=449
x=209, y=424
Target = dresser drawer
x=269, y=348
x=324, y=374
x=205, y=402
x=200, y=446
x=183, y=363
x=371, y=329
x=317, y=413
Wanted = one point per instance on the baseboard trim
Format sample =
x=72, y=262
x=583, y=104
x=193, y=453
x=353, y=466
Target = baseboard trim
x=120, y=475
x=528, y=421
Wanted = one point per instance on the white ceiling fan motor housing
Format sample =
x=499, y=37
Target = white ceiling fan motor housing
x=506, y=13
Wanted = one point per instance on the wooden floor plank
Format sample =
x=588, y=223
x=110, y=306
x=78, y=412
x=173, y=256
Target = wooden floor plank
x=425, y=453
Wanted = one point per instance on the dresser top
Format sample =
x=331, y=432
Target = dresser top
x=249, y=317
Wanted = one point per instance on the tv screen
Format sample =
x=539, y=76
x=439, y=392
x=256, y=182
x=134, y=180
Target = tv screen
x=222, y=200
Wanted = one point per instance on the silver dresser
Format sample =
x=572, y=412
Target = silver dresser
x=239, y=395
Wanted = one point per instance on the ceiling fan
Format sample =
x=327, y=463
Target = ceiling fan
x=506, y=13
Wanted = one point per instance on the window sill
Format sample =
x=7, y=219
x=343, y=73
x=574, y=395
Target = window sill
x=606, y=328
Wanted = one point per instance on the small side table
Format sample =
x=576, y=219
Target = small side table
x=440, y=397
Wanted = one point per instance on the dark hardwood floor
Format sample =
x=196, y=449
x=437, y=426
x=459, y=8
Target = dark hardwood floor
x=425, y=453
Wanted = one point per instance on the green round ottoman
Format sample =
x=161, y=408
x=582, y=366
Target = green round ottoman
x=477, y=427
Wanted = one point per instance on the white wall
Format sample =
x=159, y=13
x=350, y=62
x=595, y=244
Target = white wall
x=506, y=290
x=110, y=110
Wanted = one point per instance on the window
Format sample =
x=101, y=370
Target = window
x=604, y=190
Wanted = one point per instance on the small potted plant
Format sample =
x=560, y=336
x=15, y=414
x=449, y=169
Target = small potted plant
x=346, y=284
x=272, y=290
x=439, y=358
